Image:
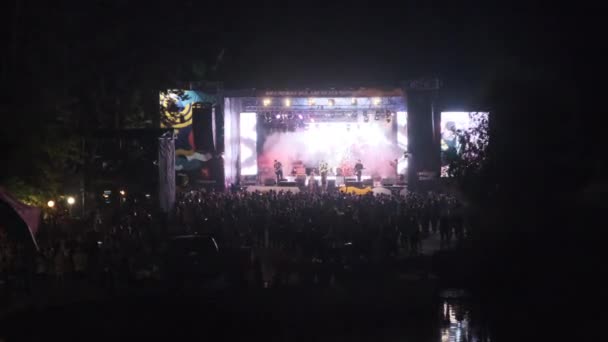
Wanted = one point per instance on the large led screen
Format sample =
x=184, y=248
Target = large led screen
x=453, y=126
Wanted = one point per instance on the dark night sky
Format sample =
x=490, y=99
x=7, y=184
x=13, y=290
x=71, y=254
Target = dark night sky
x=464, y=43
x=380, y=43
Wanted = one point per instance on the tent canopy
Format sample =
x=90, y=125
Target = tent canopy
x=19, y=220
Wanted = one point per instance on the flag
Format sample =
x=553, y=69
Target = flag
x=29, y=214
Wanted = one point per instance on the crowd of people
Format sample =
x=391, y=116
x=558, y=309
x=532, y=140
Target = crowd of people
x=303, y=228
x=316, y=221
x=106, y=250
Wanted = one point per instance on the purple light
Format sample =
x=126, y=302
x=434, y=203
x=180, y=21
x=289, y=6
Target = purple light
x=300, y=116
x=278, y=116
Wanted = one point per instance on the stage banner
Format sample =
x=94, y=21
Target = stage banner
x=166, y=173
x=191, y=115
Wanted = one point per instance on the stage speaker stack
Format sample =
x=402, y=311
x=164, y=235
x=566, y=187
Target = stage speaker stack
x=388, y=181
x=202, y=127
x=300, y=180
x=423, y=128
x=287, y=183
x=354, y=183
x=331, y=185
x=270, y=182
x=368, y=182
x=249, y=181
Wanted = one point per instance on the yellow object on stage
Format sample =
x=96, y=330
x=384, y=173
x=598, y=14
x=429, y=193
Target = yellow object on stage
x=355, y=191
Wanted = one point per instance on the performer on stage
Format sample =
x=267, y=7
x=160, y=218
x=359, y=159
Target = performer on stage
x=394, y=165
x=359, y=170
x=278, y=170
x=311, y=181
x=323, y=168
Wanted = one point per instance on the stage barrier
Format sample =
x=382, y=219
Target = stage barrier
x=291, y=189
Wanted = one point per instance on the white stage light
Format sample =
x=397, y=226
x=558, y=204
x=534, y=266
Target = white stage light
x=266, y=102
x=311, y=101
x=402, y=130
x=331, y=102
x=353, y=101
x=278, y=116
x=248, y=139
x=376, y=101
x=301, y=116
x=287, y=102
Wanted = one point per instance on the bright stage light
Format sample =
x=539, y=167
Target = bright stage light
x=353, y=101
x=287, y=102
x=266, y=102
x=278, y=116
x=331, y=102
x=71, y=200
x=122, y=192
x=311, y=101
x=248, y=156
x=376, y=101
x=300, y=116
x=50, y=203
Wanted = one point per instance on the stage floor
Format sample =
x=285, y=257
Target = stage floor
x=294, y=189
x=260, y=188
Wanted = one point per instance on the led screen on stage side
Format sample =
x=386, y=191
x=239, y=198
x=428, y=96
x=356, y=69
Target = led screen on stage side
x=248, y=140
x=339, y=144
x=402, y=142
x=453, y=125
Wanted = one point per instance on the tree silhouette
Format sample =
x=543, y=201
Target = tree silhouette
x=74, y=68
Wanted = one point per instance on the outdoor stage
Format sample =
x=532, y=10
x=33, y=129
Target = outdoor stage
x=399, y=139
x=305, y=130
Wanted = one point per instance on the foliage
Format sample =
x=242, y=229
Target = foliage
x=62, y=83
x=473, y=159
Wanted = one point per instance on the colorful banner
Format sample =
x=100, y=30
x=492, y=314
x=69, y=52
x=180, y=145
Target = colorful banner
x=177, y=107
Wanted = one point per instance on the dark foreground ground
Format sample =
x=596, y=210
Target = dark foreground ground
x=369, y=313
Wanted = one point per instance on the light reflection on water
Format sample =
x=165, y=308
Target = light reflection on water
x=455, y=325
